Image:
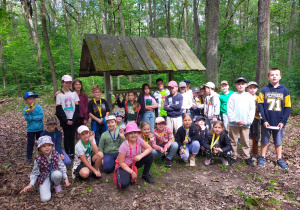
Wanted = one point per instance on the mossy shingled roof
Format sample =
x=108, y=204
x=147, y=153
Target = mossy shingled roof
x=124, y=55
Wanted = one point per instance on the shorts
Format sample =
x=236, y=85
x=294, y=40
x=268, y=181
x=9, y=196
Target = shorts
x=81, y=166
x=266, y=134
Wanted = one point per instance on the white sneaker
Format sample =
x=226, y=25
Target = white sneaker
x=192, y=161
x=207, y=161
x=225, y=162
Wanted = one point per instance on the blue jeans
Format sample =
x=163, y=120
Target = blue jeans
x=98, y=129
x=149, y=117
x=194, y=147
x=67, y=160
x=31, y=136
x=109, y=162
x=171, y=151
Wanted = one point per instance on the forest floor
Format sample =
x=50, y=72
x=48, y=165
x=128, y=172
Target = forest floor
x=181, y=187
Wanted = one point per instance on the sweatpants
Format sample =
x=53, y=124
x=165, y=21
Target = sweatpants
x=234, y=133
x=69, y=138
x=174, y=123
x=193, y=147
x=31, y=136
x=109, y=162
x=124, y=178
x=45, y=188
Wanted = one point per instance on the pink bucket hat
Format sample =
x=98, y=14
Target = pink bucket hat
x=172, y=83
x=66, y=78
x=132, y=127
x=44, y=140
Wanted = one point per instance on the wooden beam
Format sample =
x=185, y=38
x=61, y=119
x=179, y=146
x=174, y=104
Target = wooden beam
x=107, y=88
x=171, y=75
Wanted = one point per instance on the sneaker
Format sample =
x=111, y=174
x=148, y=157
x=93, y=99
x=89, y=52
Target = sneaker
x=261, y=162
x=168, y=163
x=148, y=178
x=224, y=161
x=192, y=161
x=254, y=157
x=207, y=161
x=249, y=162
x=281, y=163
x=185, y=160
x=29, y=162
x=57, y=188
x=71, y=156
x=233, y=161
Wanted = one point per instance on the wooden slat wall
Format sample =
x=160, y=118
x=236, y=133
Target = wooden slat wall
x=132, y=54
x=187, y=54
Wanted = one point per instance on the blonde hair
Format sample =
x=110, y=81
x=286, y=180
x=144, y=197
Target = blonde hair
x=96, y=87
x=186, y=115
x=143, y=124
x=216, y=123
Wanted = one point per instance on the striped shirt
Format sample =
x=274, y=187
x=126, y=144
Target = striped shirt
x=135, y=150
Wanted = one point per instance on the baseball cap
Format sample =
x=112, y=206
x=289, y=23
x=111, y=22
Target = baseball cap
x=240, y=79
x=182, y=84
x=210, y=85
x=199, y=117
x=66, y=78
x=172, y=83
x=224, y=82
x=110, y=117
x=187, y=81
x=29, y=94
x=252, y=83
x=195, y=90
x=82, y=128
x=51, y=120
x=160, y=120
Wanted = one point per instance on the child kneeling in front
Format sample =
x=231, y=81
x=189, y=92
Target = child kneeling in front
x=188, y=139
x=163, y=143
x=109, y=144
x=130, y=158
x=87, y=157
x=48, y=167
x=217, y=144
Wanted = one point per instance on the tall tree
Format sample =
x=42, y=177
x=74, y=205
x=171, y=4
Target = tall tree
x=184, y=19
x=290, y=46
x=197, y=38
x=27, y=9
x=103, y=18
x=212, y=29
x=46, y=40
x=263, y=42
x=154, y=18
x=121, y=18
x=39, y=50
x=1, y=49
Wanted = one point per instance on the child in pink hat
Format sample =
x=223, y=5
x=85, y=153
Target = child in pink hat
x=131, y=158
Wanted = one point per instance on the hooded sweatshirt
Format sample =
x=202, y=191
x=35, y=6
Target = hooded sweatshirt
x=212, y=105
x=240, y=107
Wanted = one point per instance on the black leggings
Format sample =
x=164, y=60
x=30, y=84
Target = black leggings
x=124, y=178
x=225, y=155
x=69, y=138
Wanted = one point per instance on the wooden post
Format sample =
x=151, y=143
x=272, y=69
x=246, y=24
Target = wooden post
x=171, y=75
x=150, y=80
x=107, y=88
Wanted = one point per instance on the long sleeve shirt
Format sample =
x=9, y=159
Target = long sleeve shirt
x=34, y=119
x=175, y=102
x=110, y=142
x=240, y=107
x=36, y=170
x=162, y=139
x=212, y=106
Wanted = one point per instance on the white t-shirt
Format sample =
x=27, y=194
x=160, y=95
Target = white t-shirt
x=67, y=100
x=187, y=102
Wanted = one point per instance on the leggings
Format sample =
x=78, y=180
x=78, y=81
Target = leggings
x=69, y=138
x=124, y=178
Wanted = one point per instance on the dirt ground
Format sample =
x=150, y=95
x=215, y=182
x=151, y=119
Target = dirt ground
x=181, y=187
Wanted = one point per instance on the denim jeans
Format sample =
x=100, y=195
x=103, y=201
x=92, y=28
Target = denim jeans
x=149, y=117
x=67, y=160
x=98, y=129
x=171, y=151
x=31, y=136
x=109, y=162
x=194, y=147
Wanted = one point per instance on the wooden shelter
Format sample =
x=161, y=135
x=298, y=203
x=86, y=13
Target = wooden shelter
x=107, y=55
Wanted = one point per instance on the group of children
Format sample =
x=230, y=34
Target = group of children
x=204, y=123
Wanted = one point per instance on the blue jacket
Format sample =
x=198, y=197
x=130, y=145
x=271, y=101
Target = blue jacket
x=175, y=102
x=56, y=137
x=34, y=119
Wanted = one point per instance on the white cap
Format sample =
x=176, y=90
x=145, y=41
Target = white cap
x=210, y=85
x=66, y=78
x=110, y=117
x=160, y=120
x=82, y=128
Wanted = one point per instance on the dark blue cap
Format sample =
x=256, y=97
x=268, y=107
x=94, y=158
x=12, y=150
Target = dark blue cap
x=29, y=94
x=240, y=79
x=187, y=81
x=199, y=117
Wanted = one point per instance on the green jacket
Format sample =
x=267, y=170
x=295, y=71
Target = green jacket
x=223, y=102
x=108, y=145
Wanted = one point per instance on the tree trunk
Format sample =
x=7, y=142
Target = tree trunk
x=39, y=50
x=26, y=6
x=242, y=25
x=184, y=19
x=263, y=42
x=197, y=39
x=47, y=45
x=150, y=19
x=299, y=40
x=212, y=30
x=121, y=19
x=2, y=62
x=154, y=18
x=69, y=38
x=290, y=46
x=103, y=18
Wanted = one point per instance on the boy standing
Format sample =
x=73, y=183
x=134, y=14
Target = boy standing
x=226, y=93
x=33, y=114
x=160, y=96
x=240, y=111
x=211, y=104
x=173, y=105
x=255, y=126
x=98, y=109
x=274, y=105
x=198, y=102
